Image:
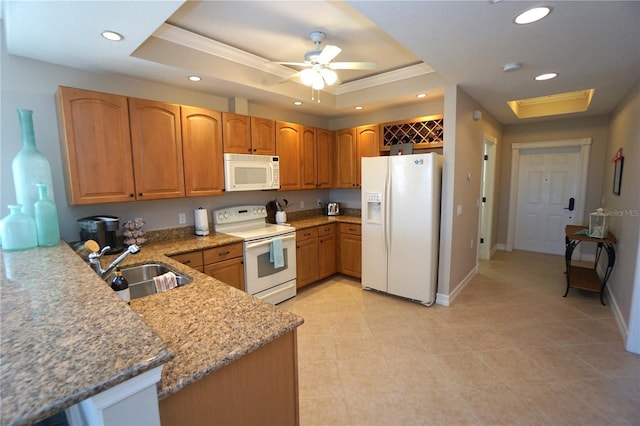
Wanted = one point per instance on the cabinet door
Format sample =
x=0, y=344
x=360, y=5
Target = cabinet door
x=288, y=149
x=202, y=150
x=96, y=147
x=326, y=255
x=263, y=136
x=351, y=255
x=236, y=133
x=368, y=145
x=156, y=142
x=324, y=158
x=306, y=262
x=308, y=165
x=228, y=271
x=345, y=164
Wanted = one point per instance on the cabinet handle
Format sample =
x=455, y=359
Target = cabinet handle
x=308, y=234
x=224, y=253
x=139, y=194
x=255, y=149
x=249, y=150
x=352, y=229
x=132, y=195
x=186, y=262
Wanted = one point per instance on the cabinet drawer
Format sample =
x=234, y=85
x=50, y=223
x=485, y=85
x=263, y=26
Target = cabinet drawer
x=192, y=259
x=326, y=229
x=306, y=234
x=349, y=228
x=222, y=253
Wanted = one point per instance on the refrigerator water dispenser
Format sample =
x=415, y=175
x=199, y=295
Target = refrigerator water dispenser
x=374, y=207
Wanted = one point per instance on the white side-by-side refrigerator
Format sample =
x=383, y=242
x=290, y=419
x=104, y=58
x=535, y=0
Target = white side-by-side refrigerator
x=401, y=225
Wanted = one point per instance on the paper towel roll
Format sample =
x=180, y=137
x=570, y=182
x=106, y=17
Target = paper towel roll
x=202, y=221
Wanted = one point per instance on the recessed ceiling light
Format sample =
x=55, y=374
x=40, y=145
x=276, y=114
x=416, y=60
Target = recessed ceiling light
x=112, y=35
x=421, y=95
x=194, y=78
x=359, y=107
x=546, y=76
x=532, y=15
x=297, y=103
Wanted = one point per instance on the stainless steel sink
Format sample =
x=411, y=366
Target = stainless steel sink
x=140, y=277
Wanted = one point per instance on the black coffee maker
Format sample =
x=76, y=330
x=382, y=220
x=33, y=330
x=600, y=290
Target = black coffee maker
x=103, y=230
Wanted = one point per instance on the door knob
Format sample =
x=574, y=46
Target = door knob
x=572, y=203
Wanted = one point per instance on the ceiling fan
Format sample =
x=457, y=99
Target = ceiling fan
x=318, y=66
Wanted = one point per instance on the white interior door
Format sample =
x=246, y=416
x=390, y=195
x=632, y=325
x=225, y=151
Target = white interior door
x=548, y=179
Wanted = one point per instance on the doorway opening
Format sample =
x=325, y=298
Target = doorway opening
x=485, y=248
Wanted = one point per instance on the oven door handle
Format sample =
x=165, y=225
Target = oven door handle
x=265, y=242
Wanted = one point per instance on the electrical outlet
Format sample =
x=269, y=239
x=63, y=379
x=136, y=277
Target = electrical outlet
x=182, y=218
x=319, y=202
x=302, y=204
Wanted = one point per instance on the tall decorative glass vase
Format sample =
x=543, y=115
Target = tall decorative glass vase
x=30, y=167
x=46, y=217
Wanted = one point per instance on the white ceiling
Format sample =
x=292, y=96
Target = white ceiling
x=230, y=43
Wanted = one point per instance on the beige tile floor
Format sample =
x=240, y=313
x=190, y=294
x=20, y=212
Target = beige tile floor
x=510, y=350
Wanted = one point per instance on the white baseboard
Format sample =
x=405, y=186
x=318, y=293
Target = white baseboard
x=447, y=299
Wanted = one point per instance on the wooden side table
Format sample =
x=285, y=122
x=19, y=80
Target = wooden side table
x=587, y=278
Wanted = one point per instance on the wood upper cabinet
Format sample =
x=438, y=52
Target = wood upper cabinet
x=288, y=136
x=243, y=134
x=324, y=158
x=308, y=163
x=368, y=145
x=263, y=136
x=156, y=142
x=236, y=133
x=345, y=164
x=351, y=145
x=202, y=150
x=96, y=146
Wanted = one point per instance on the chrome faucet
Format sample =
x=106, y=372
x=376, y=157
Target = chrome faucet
x=96, y=264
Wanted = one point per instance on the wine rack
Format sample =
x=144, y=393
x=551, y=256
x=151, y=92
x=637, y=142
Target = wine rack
x=423, y=132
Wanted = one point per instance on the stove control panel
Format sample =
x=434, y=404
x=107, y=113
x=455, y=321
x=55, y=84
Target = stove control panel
x=239, y=214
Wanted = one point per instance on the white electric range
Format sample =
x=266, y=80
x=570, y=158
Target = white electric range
x=263, y=277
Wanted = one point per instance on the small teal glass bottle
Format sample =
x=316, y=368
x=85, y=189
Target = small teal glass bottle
x=17, y=230
x=30, y=167
x=46, y=215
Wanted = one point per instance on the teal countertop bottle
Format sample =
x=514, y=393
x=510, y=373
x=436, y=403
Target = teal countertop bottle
x=17, y=230
x=46, y=215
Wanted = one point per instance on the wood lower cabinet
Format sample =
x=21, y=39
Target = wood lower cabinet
x=326, y=250
x=350, y=250
x=260, y=388
x=202, y=150
x=156, y=143
x=94, y=127
x=225, y=263
x=192, y=259
x=306, y=256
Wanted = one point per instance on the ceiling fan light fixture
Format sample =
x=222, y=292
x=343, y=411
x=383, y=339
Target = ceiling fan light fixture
x=318, y=82
x=307, y=76
x=329, y=76
x=532, y=15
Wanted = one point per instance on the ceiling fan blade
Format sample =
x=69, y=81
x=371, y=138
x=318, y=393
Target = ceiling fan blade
x=328, y=53
x=352, y=65
x=297, y=64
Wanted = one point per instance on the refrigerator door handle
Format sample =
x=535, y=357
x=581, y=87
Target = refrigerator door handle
x=387, y=211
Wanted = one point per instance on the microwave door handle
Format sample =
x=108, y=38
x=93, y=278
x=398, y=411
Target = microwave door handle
x=265, y=242
x=271, y=179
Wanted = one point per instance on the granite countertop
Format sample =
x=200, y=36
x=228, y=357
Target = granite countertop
x=207, y=324
x=66, y=335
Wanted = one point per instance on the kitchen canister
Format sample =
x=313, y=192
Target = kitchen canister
x=30, y=167
x=18, y=230
x=201, y=221
x=46, y=216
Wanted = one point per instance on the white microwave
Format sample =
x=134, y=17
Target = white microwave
x=246, y=172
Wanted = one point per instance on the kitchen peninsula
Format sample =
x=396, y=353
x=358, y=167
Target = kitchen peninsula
x=67, y=337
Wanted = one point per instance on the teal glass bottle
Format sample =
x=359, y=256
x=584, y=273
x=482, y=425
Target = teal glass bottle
x=30, y=167
x=17, y=230
x=46, y=215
